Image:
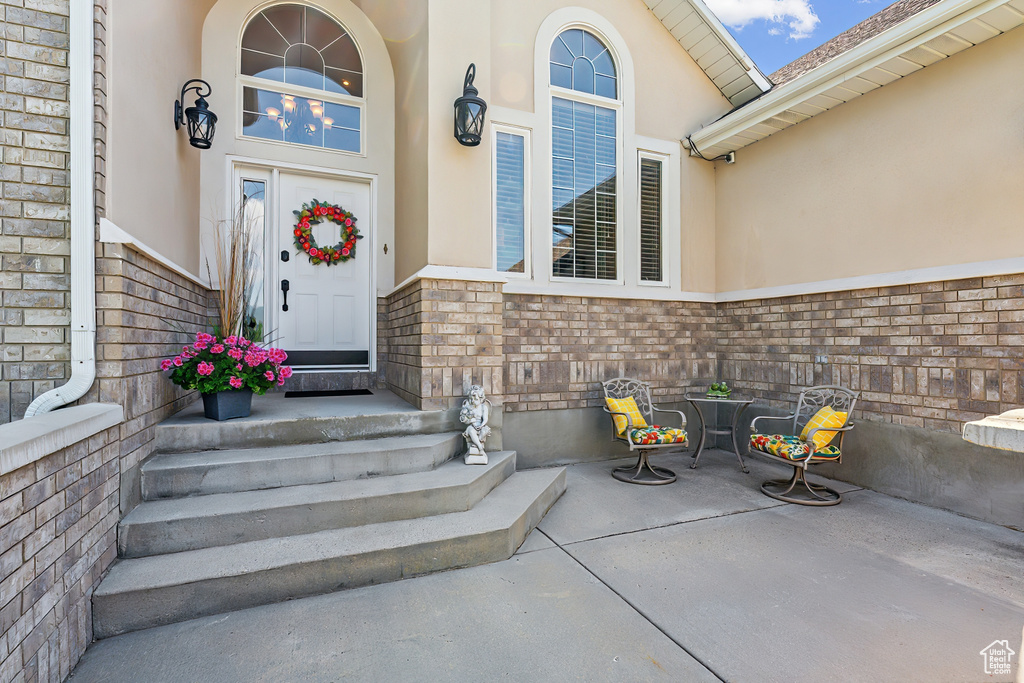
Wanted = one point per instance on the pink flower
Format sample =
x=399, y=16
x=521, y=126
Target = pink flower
x=348, y=222
x=255, y=356
x=243, y=342
x=200, y=345
x=205, y=369
x=269, y=375
x=187, y=353
x=177, y=361
x=238, y=367
x=231, y=341
x=280, y=381
x=165, y=364
x=345, y=251
x=236, y=353
x=235, y=382
x=284, y=372
x=217, y=348
x=205, y=338
x=277, y=356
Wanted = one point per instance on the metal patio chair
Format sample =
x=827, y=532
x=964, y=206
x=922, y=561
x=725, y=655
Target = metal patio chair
x=800, y=453
x=646, y=438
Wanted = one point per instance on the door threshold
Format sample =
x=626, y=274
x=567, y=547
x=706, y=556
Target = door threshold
x=328, y=369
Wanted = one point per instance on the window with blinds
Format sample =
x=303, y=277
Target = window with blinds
x=510, y=201
x=584, y=223
x=650, y=220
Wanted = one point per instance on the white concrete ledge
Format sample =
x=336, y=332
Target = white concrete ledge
x=25, y=441
x=1005, y=432
x=112, y=234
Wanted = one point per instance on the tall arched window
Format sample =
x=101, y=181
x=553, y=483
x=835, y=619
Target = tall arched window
x=302, y=79
x=585, y=159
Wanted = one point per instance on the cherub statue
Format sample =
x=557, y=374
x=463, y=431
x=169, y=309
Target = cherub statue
x=476, y=411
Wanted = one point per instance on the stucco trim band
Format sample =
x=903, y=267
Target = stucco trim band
x=33, y=438
x=962, y=271
x=449, y=273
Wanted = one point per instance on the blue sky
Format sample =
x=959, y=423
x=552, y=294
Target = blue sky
x=775, y=32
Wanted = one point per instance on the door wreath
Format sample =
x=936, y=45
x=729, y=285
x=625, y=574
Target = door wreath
x=317, y=212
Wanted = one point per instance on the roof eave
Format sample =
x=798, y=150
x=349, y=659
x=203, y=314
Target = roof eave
x=760, y=80
x=722, y=59
x=917, y=30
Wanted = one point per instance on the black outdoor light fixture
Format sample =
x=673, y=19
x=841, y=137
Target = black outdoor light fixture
x=469, y=112
x=201, y=121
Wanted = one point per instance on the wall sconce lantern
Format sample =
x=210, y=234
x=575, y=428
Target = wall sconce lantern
x=200, y=120
x=469, y=112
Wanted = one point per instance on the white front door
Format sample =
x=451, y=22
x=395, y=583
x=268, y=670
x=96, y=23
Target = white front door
x=325, y=318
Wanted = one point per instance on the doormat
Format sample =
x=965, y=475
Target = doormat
x=318, y=394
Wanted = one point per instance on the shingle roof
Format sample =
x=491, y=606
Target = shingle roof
x=890, y=16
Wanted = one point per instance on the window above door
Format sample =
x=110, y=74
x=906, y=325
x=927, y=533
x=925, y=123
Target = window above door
x=301, y=74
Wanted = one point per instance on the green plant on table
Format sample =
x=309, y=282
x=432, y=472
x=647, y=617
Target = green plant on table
x=719, y=390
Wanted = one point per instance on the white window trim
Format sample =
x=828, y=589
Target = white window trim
x=242, y=81
x=527, y=135
x=588, y=20
x=668, y=152
x=596, y=101
x=641, y=155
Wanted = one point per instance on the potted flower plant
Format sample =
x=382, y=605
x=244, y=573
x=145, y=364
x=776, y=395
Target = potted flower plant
x=227, y=372
x=231, y=365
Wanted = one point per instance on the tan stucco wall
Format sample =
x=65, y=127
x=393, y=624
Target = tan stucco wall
x=441, y=211
x=152, y=172
x=927, y=171
x=221, y=37
x=403, y=26
x=459, y=177
x=673, y=97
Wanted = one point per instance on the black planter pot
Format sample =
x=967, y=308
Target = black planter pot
x=225, y=405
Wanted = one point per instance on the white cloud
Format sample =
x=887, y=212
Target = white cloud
x=798, y=15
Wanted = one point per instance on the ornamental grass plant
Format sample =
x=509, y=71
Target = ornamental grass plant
x=236, y=248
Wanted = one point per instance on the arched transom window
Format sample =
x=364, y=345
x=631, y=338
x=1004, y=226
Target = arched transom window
x=581, y=62
x=302, y=79
x=584, y=163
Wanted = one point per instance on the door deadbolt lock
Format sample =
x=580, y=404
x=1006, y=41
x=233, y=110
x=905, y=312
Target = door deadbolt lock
x=285, y=255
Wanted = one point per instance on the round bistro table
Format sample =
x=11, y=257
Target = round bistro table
x=739, y=404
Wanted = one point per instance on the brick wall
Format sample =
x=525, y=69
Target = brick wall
x=34, y=202
x=145, y=313
x=930, y=355
x=558, y=349
x=58, y=536
x=442, y=336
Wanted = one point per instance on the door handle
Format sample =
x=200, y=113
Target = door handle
x=284, y=290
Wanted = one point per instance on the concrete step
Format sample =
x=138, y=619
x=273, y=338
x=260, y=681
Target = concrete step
x=151, y=591
x=175, y=525
x=277, y=421
x=176, y=475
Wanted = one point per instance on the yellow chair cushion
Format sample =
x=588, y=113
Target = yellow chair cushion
x=625, y=405
x=826, y=417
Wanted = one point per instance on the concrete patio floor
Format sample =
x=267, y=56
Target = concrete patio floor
x=705, y=579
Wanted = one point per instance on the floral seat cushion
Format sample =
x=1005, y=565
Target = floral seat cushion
x=646, y=436
x=790, y=447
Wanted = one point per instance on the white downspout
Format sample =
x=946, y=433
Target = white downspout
x=83, y=217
